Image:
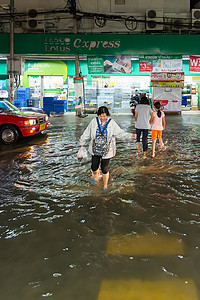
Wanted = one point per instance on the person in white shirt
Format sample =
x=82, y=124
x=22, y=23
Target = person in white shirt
x=157, y=127
x=112, y=131
x=143, y=117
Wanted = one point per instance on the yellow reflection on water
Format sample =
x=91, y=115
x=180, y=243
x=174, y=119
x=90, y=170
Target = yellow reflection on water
x=175, y=289
x=145, y=245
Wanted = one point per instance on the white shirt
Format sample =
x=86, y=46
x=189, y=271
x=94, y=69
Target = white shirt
x=143, y=116
x=113, y=131
x=158, y=125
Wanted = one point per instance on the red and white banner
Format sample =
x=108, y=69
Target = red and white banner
x=194, y=66
x=144, y=67
x=167, y=76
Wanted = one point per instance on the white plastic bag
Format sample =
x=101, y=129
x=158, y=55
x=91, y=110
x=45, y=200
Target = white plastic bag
x=82, y=154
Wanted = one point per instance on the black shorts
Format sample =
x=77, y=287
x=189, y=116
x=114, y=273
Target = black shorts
x=96, y=160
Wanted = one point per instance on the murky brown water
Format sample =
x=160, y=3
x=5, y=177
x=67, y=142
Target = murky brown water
x=55, y=227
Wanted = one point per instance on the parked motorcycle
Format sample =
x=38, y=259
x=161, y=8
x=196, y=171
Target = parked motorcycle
x=134, y=102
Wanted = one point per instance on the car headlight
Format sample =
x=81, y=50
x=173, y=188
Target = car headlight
x=46, y=118
x=30, y=122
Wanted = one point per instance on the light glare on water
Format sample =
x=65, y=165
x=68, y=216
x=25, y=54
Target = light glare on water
x=55, y=227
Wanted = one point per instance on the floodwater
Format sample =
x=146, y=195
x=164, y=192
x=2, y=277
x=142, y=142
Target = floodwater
x=64, y=239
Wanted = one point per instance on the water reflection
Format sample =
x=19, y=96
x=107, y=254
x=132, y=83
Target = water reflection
x=55, y=227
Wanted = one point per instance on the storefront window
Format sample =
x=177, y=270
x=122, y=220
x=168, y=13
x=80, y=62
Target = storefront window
x=46, y=86
x=35, y=87
x=115, y=91
x=53, y=82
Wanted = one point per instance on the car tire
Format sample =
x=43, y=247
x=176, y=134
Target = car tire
x=8, y=135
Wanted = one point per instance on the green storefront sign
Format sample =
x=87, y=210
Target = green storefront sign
x=44, y=68
x=101, y=44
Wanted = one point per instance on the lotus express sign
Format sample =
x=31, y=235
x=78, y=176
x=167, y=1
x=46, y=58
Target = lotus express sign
x=101, y=44
x=61, y=44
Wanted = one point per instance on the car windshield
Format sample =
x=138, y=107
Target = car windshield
x=6, y=106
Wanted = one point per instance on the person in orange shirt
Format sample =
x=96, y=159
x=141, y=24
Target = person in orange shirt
x=157, y=127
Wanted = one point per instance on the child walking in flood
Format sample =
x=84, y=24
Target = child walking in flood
x=157, y=127
x=100, y=128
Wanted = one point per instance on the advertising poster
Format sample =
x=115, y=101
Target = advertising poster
x=167, y=76
x=160, y=63
x=145, y=66
x=194, y=66
x=168, y=65
x=95, y=65
x=118, y=64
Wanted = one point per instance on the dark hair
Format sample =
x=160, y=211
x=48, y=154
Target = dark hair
x=103, y=110
x=157, y=106
x=144, y=100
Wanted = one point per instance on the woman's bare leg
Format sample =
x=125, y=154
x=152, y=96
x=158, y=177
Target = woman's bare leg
x=95, y=174
x=153, y=148
x=161, y=144
x=138, y=145
x=105, y=180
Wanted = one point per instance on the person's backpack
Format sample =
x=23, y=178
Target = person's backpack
x=100, y=145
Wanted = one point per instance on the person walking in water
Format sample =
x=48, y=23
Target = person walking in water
x=102, y=132
x=157, y=127
x=78, y=107
x=143, y=117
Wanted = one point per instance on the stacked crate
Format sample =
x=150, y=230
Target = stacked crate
x=71, y=103
x=117, y=98
x=52, y=105
x=126, y=97
x=60, y=106
x=105, y=97
x=22, y=95
x=90, y=96
x=48, y=104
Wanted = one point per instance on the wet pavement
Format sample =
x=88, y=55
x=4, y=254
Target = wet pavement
x=63, y=239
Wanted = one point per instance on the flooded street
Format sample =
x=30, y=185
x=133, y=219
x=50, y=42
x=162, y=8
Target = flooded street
x=63, y=239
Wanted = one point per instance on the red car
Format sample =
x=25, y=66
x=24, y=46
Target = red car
x=15, y=123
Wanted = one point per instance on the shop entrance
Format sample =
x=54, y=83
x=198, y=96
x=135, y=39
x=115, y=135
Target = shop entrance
x=36, y=91
x=45, y=86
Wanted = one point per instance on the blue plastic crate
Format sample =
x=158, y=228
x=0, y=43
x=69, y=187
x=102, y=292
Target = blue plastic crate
x=60, y=103
x=22, y=98
x=23, y=104
x=47, y=111
x=48, y=103
x=23, y=92
x=59, y=109
x=49, y=99
x=22, y=89
x=184, y=100
x=48, y=106
x=17, y=103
